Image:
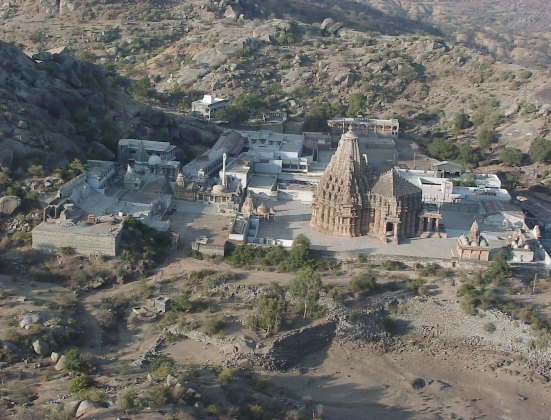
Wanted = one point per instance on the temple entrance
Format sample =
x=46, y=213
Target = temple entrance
x=389, y=228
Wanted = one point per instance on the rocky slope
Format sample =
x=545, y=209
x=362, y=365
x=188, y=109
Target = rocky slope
x=514, y=30
x=291, y=54
x=56, y=108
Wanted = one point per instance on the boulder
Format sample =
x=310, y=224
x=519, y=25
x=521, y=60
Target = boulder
x=8, y=204
x=10, y=346
x=326, y=23
x=231, y=13
x=418, y=383
x=55, y=357
x=538, y=377
x=42, y=56
x=85, y=407
x=41, y=347
x=71, y=408
x=60, y=365
x=29, y=319
x=171, y=381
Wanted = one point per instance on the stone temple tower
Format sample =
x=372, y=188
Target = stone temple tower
x=340, y=203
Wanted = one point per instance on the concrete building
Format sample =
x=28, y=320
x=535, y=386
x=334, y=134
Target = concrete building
x=503, y=214
x=135, y=150
x=364, y=125
x=208, y=107
x=439, y=189
x=66, y=226
x=99, y=173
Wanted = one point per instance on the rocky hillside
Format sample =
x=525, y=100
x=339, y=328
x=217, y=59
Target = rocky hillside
x=55, y=108
x=291, y=54
x=508, y=29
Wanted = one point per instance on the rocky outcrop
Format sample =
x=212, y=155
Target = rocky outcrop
x=56, y=107
x=8, y=204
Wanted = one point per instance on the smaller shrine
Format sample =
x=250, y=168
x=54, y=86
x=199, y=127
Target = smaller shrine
x=473, y=246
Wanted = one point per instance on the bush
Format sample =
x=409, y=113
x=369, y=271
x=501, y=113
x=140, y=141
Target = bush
x=158, y=395
x=75, y=362
x=364, y=283
x=391, y=265
x=79, y=383
x=511, y=157
x=414, y=285
x=213, y=324
x=461, y=121
x=389, y=324
x=540, y=150
x=162, y=366
x=226, y=376
x=128, y=399
x=184, y=303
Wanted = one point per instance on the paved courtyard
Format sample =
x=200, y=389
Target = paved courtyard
x=293, y=218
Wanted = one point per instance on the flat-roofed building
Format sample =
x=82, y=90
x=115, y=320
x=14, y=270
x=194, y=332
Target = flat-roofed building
x=141, y=150
x=208, y=107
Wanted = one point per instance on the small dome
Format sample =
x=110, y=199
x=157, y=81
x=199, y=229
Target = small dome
x=154, y=160
x=218, y=189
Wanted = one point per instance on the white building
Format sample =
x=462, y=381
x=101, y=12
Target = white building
x=208, y=107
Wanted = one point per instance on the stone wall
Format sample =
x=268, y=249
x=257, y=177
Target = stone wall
x=83, y=244
x=289, y=349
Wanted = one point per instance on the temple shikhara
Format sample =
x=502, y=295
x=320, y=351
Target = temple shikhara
x=348, y=203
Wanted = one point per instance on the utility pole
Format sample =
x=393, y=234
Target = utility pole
x=534, y=285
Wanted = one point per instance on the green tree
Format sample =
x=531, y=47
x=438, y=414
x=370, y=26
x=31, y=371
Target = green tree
x=356, y=104
x=469, y=156
x=511, y=157
x=485, y=135
x=499, y=268
x=317, y=116
x=461, y=121
x=141, y=88
x=299, y=255
x=540, y=150
x=270, y=311
x=234, y=115
x=443, y=149
x=305, y=288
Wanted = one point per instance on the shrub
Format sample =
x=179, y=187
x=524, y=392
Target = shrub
x=79, y=383
x=392, y=265
x=414, y=285
x=226, y=376
x=389, y=324
x=67, y=250
x=158, y=395
x=461, y=121
x=213, y=324
x=127, y=399
x=262, y=382
x=511, y=157
x=184, y=303
x=162, y=366
x=540, y=150
x=363, y=283
x=75, y=362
